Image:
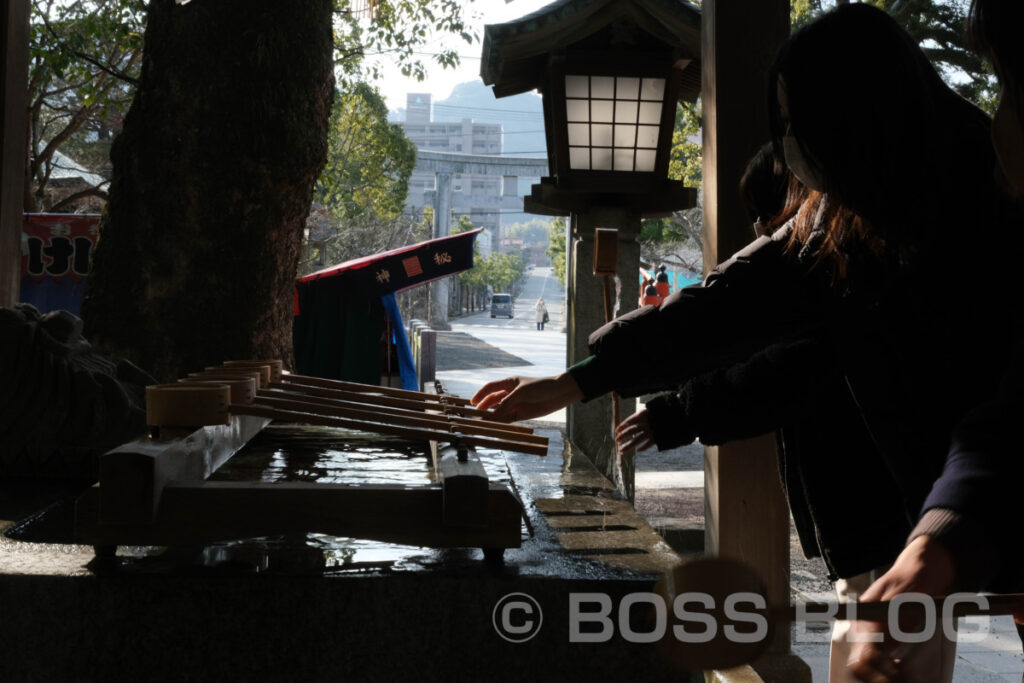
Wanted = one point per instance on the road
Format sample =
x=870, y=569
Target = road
x=540, y=282
x=543, y=352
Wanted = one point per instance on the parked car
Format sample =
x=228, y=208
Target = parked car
x=501, y=304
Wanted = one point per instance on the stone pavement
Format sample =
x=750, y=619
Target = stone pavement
x=669, y=494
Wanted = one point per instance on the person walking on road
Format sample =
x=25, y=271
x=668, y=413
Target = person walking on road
x=542, y=314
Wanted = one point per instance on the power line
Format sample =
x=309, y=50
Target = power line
x=468, y=108
x=463, y=107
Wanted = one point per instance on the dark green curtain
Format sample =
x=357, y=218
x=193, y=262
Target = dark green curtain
x=337, y=331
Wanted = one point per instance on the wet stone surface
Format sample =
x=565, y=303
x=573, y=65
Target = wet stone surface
x=288, y=453
x=318, y=607
x=339, y=456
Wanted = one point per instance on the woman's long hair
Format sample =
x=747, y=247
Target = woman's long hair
x=899, y=150
x=764, y=185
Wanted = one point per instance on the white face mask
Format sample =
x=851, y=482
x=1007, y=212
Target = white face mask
x=804, y=171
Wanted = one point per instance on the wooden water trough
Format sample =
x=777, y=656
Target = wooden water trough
x=156, y=490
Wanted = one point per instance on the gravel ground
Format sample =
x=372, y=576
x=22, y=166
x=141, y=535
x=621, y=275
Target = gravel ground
x=809, y=576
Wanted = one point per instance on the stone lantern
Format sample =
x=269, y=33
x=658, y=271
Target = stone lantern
x=610, y=73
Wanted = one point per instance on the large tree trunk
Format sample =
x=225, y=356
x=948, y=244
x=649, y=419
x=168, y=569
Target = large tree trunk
x=213, y=178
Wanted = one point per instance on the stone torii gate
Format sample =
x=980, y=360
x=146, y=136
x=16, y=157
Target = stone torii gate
x=443, y=165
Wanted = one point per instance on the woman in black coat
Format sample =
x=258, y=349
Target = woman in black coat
x=968, y=537
x=890, y=264
x=870, y=273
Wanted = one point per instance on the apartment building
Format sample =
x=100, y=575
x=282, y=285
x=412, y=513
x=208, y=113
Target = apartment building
x=478, y=196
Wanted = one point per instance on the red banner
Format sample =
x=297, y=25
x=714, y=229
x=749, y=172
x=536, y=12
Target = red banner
x=55, y=252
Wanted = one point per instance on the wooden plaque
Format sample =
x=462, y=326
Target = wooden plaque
x=606, y=251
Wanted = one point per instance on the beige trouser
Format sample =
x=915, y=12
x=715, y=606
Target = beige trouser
x=927, y=662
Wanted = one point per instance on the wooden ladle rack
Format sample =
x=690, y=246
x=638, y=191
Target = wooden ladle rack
x=155, y=490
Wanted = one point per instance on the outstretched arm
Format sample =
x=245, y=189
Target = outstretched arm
x=524, y=398
x=752, y=300
x=759, y=296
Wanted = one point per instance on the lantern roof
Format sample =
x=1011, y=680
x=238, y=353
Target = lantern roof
x=515, y=54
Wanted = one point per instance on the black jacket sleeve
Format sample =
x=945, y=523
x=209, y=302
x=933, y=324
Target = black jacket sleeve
x=755, y=298
x=974, y=507
x=746, y=399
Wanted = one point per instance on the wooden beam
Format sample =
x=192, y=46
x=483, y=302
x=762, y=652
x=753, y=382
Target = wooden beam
x=13, y=143
x=465, y=487
x=209, y=511
x=133, y=476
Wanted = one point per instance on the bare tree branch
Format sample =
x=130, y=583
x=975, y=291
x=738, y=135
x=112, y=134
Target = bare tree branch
x=70, y=199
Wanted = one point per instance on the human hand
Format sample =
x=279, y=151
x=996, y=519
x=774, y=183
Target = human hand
x=924, y=566
x=524, y=398
x=635, y=432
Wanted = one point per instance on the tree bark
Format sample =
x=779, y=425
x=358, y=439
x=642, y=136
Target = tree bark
x=213, y=176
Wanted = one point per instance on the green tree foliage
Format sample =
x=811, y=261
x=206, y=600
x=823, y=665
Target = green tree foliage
x=802, y=12
x=84, y=60
x=369, y=160
x=500, y=272
x=360, y=195
x=462, y=224
x=85, y=57
x=556, y=249
x=473, y=280
x=503, y=271
x=533, y=232
x=685, y=160
x=678, y=238
x=363, y=28
x=363, y=189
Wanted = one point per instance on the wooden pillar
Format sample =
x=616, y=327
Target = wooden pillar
x=13, y=85
x=746, y=513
